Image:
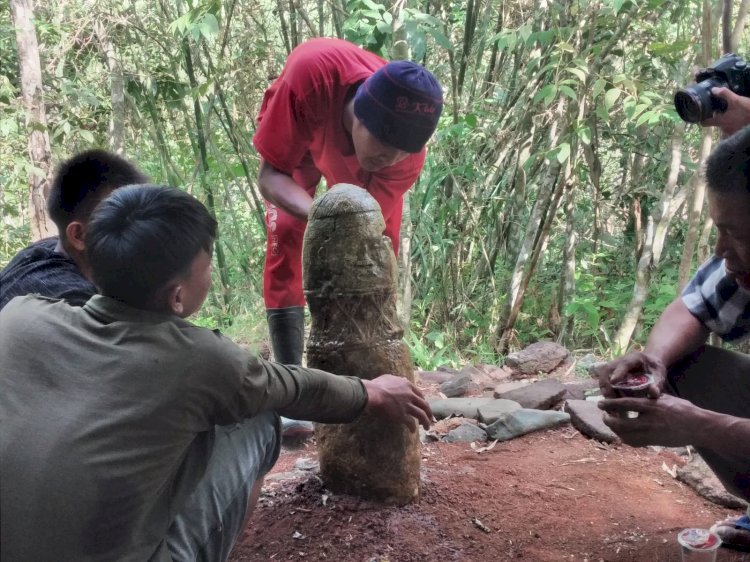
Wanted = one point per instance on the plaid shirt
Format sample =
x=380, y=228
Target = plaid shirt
x=38, y=269
x=718, y=301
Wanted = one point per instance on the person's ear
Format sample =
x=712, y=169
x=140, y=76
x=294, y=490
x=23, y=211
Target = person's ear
x=74, y=235
x=175, y=299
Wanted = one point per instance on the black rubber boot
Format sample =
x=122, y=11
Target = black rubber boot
x=287, y=329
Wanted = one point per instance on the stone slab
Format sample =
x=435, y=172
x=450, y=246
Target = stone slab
x=489, y=413
x=586, y=417
x=464, y=407
x=525, y=421
x=540, y=395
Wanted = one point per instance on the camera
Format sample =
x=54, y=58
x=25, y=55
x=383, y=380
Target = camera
x=695, y=103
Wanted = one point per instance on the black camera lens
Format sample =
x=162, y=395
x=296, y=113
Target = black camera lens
x=694, y=104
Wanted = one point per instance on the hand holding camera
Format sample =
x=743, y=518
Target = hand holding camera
x=720, y=98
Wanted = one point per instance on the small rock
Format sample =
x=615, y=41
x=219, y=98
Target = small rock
x=464, y=407
x=699, y=476
x=434, y=377
x=580, y=389
x=540, y=357
x=492, y=411
x=587, y=361
x=457, y=386
x=486, y=377
x=504, y=387
x=283, y=476
x=446, y=425
x=306, y=464
x=540, y=395
x=466, y=433
x=525, y=421
x=447, y=369
x=427, y=436
x=586, y=417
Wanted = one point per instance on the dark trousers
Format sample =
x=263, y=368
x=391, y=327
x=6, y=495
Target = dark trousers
x=718, y=380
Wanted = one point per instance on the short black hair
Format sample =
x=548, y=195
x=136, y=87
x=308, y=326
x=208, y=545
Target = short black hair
x=143, y=236
x=82, y=181
x=728, y=165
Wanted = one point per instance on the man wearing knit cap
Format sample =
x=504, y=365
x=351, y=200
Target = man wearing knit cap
x=344, y=114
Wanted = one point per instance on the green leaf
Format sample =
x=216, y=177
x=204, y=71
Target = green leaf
x=383, y=27
x=209, y=26
x=471, y=120
x=548, y=92
x=611, y=97
x=86, y=135
x=585, y=135
x=598, y=88
x=568, y=91
x=441, y=39
x=646, y=116
x=563, y=153
x=579, y=73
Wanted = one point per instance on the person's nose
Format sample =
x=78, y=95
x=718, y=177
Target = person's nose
x=721, y=247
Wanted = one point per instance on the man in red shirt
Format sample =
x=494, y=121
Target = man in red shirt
x=341, y=113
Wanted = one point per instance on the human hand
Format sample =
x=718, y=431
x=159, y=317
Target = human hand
x=634, y=363
x=398, y=400
x=667, y=421
x=736, y=115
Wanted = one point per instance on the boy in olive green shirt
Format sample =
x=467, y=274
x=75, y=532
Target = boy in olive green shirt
x=129, y=433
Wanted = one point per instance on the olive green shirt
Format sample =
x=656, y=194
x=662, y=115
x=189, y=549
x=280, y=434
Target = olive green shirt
x=99, y=407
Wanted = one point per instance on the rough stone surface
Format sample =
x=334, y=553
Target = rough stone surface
x=466, y=433
x=306, y=464
x=698, y=476
x=525, y=421
x=504, y=387
x=540, y=357
x=350, y=283
x=463, y=407
x=587, y=361
x=586, y=417
x=434, y=377
x=579, y=390
x=492, y=411
x=486, y=377
x=457, y=386
x=540, y=395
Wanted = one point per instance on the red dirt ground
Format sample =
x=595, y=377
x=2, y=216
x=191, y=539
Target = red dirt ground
x=548, y=496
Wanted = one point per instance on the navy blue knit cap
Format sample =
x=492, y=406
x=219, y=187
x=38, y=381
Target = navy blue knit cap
x=400, y=105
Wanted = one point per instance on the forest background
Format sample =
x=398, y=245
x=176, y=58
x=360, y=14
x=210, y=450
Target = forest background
x=562, y=196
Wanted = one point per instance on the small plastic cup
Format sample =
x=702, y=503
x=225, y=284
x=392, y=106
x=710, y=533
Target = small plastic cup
x=635, y=386
x=698, y=545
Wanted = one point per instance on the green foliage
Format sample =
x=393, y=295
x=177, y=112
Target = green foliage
x=578, y=88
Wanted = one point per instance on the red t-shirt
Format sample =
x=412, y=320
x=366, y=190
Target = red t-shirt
x=300, y=130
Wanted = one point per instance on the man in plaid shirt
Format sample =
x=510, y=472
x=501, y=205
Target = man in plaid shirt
x=701, y=394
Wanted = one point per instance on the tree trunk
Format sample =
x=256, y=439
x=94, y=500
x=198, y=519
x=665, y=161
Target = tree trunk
x=534, y=230
x=203, y=170
x=22, y=13
x=697, y=184
x=739, y=25
x=698, y=187
x=400, y=51
x=116, y=89
x=656, y=230
x=568, y=277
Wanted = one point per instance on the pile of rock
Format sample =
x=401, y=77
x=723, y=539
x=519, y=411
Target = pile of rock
x=487, y=402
